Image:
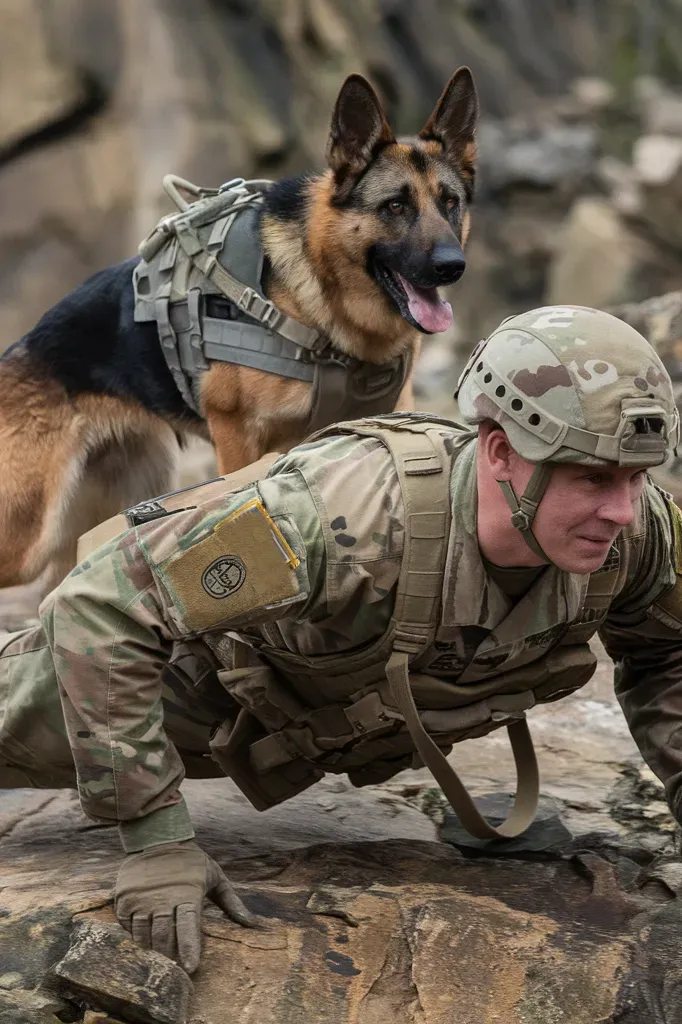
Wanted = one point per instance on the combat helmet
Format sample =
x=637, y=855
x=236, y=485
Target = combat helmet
x=569, y=384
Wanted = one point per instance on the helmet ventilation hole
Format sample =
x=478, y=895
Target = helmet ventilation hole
x=500, y=391
x=517, y=404
x=534, y=419
x=479, y=367
x=488, y=377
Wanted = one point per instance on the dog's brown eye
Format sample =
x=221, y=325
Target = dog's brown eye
x=450, y=204
x=396, y=206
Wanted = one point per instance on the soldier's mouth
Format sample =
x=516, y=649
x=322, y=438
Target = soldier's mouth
x=423, y=308
x=598, y=541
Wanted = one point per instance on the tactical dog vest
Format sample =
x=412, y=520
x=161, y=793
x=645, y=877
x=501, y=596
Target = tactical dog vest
x=374, y=712
x=200, y=281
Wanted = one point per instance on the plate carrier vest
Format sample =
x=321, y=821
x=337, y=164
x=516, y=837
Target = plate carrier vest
x=372, y=713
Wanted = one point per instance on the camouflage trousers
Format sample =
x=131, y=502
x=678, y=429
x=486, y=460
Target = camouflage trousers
x=34, y=746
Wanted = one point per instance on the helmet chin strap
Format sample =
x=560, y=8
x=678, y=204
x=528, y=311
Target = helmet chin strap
x=524, y=508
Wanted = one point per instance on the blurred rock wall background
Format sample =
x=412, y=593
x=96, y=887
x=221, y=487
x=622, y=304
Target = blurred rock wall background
x=580, y=145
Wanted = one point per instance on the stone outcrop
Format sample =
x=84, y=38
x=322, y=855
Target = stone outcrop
x=374, y=904
x=660, y=320
x=98, y=101
x=104, y=966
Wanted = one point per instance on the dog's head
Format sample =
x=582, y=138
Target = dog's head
x=402, y=204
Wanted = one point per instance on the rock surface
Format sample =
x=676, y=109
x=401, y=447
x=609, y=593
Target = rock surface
x=660, y=320
x=602, y=259
x=99, y=101
x=94, y=1017
x=21, y=1007
x=376, y=907
x=105, y=968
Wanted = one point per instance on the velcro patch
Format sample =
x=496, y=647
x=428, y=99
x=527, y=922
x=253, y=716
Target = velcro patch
x=245, y=565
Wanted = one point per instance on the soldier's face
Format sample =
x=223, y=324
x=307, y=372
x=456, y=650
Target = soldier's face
x=582, y=511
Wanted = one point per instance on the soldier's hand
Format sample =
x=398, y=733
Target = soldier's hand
x=159, y=894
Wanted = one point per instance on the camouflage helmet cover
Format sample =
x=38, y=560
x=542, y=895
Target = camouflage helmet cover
x=572, y=384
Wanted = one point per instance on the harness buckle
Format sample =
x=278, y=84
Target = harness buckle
x=270, y=316
x=520, y=520
x=249, y=302
x=246, y=299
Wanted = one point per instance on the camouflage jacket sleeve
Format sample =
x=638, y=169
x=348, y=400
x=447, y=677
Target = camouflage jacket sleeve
x=111, y=626
x=308, y=558
x=643, y=635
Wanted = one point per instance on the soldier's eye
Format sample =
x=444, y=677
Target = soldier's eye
x=396, y=206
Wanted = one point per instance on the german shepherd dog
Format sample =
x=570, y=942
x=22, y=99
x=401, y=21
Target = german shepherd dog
x=90, y=415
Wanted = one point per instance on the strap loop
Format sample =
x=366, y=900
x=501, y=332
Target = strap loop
x=528, y=779
x=524, y=509
x=416, y=616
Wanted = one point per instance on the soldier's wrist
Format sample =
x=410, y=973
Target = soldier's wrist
x=166, y=825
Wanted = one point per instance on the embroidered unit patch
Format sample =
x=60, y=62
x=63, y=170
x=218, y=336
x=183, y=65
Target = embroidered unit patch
x=223, y=576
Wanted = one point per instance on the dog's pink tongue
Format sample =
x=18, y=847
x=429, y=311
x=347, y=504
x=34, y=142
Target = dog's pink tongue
x=427, y=307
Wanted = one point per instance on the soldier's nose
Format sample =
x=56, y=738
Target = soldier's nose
x=618, y=507
x=447, y=261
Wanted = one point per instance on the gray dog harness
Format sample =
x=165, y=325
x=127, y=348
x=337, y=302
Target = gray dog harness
x=200, y=281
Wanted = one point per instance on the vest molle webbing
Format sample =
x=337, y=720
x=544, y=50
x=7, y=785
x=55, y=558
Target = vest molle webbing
x=200, y=281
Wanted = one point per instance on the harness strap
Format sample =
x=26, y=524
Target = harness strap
x=251, y=302
x=524, y=508
x=527, y=775
x=161, y=307
x=421, y=464
x=248, y=345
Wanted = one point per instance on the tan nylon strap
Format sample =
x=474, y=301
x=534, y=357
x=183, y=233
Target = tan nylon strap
x=524, y=508
x=425, y=486
x=250, y=302
x=528, y=779
x=426, y=493
x=423, y=471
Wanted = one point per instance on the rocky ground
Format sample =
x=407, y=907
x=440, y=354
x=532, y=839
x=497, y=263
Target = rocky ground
x=374, y=905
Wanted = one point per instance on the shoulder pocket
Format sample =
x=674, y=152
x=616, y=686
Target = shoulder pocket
x=243, y=567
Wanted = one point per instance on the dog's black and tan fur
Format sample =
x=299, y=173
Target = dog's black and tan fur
x=89, y=412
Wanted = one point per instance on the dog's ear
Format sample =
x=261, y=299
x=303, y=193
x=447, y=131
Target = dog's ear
x=359, y=128
x=453, y=121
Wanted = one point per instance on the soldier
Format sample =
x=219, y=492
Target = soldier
x=266, y=631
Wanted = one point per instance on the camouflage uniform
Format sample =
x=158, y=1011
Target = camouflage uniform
x=133, y=659
x=107, y=635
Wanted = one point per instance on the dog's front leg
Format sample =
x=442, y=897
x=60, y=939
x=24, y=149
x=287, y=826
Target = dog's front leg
x=406, y=400
x=234, y=438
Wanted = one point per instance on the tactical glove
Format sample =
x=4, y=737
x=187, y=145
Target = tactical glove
x=158, y=898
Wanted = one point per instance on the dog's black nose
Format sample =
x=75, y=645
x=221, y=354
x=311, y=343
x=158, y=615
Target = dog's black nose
x=448, y=262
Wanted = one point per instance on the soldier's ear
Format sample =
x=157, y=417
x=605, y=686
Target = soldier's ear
x=359, y=130
x=497, y=450
x=453, y=122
